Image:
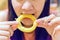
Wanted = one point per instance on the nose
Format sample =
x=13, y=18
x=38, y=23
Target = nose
x=27, y=7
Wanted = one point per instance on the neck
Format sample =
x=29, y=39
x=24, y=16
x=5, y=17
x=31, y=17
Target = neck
x=29, y=36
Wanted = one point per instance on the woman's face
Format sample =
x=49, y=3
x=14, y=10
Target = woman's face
x=33, y=7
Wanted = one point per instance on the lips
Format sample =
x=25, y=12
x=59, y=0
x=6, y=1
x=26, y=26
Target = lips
x=27, y=22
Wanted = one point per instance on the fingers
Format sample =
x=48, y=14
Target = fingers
x=4, y=33
x=8, y=22
x=44, y=21
x=6, y=29
x=4, y=38
x=49, y=18
x=55, y=21
x=41, y=23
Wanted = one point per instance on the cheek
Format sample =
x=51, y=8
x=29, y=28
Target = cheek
x=17, y=7
x=39, y=8
x=39, y=5
x=17, y=10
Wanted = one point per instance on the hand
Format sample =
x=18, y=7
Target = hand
x=55, y=24
x=6, y=29
x=55, y=21
x=46, y=23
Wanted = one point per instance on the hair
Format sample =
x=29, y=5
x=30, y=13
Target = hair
x=12, y=14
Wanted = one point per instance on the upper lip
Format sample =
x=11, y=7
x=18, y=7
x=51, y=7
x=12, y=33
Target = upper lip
x=28, y=11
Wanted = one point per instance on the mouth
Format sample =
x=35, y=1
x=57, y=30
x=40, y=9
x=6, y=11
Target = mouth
x=27, y=22
x=27, y=13
x=27, y=26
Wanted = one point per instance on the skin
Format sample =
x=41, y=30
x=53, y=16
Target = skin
x=56, y=33
x=5, y=29
x=32, y=7
x=28, y=7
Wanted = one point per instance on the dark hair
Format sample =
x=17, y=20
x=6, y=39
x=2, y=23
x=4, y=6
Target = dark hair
x=12, y=14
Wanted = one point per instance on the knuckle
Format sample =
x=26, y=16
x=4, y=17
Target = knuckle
x=4, y=33
x=4, y=38
x=4, y=27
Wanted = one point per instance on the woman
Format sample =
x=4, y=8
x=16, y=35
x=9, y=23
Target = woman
x=18, y=7
x=37, y=34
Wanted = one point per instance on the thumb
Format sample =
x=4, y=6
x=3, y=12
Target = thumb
x=14, y=26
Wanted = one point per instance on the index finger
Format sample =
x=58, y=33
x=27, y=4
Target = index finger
x=8, y=22
x=49, y=18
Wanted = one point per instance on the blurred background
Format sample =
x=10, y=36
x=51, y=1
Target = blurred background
x=3, y=10
x=55, y=7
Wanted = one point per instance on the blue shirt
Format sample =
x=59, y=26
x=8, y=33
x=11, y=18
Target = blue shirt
x=40, y=34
